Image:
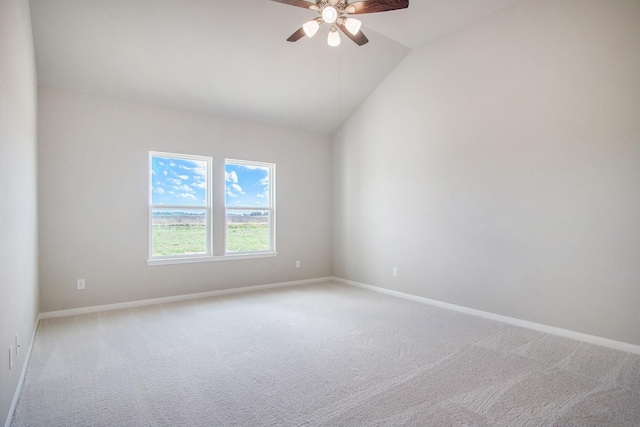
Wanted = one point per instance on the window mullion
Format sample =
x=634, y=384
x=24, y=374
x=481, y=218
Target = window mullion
x=218, y=213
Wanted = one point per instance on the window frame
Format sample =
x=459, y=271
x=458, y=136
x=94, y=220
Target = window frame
x=207, y=207
x=270, y=208
x=215, y=211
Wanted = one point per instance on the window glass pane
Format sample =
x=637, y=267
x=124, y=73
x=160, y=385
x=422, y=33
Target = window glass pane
x=178, y=181
x=179, y=232
x=247, y=230
x=247, y=185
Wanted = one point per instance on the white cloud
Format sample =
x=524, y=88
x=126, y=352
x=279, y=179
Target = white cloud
x=200, y=169
x=158, y=190
x=233, y=189
x=237, y=188
x=265, y=182
x=184, y=188
x=187, y=196
x=251, y=167
x=232, y=177
x=183, y=177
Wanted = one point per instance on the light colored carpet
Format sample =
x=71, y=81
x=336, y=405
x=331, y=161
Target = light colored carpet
x=325, y=354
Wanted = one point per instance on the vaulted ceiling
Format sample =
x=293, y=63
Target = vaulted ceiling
x=230, y=58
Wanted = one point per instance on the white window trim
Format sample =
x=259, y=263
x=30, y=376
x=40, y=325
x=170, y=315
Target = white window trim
x=213, y=258
x=215, y=208
x=271, y=209
x=206, y=207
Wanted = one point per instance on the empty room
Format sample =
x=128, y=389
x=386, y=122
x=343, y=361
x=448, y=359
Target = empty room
x=319, y=213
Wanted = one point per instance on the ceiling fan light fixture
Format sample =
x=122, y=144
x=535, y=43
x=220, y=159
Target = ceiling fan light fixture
x=311, y=28
x=334, y=37
x=329, y=14
x=353, y=25
x=337, y=13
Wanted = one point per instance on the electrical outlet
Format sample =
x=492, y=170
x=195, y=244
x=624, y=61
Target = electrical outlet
x=297, y=263
x=395, y=271
x=80, y=284
x=10, y=357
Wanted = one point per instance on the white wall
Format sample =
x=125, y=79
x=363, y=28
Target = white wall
x=18, y=193
x=93, y=155
x=499, y=168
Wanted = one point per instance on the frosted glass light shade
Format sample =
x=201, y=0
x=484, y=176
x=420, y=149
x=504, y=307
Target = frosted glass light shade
x=353, y=25
x=334, y=38
x=311, y=28
x=329, y=14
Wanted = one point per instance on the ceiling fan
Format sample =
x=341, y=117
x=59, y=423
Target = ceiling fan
x=336, y=13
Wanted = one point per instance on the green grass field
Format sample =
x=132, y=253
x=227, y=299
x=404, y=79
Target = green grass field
x=191, y=239
x=247, y=237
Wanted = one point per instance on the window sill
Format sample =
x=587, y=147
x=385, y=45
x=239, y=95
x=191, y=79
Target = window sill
x=195, y=259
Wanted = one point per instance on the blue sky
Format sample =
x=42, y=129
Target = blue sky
x=178, y=182
x=246, y=185
x=183, y=182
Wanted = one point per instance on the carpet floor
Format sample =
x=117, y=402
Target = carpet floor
x=317, y=355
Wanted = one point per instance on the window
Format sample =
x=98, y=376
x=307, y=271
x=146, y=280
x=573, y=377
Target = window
x=249, y=207
x=193, y=220
x=180, y=206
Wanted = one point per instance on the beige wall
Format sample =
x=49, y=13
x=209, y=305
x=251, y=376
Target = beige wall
x=18, y=193
x=499, y=168
x=93, y=155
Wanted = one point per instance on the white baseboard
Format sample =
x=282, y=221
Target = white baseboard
x=176, y=298
x=591, y=339
x=27, y=357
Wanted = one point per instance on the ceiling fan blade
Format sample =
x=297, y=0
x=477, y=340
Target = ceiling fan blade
x=360, y=39
x=372, y=6
x=297, y=35
x=298, y=3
